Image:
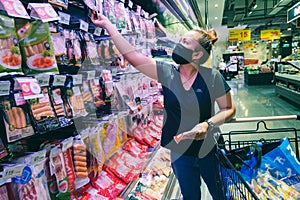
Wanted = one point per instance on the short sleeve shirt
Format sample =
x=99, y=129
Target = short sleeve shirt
x=183, y=109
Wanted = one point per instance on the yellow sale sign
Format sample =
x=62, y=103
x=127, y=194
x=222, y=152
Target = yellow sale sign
x=270, y=34
x=239, y=34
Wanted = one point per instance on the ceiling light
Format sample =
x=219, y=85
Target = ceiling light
x=216, y=5
x=250, y=12
x=216, y=18
x=255, y=6
x=289, y=29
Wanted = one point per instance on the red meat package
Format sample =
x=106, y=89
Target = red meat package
x=67, y=156
x=3, y=192
x=125, y=166
x=109, y=185
x=134, y=147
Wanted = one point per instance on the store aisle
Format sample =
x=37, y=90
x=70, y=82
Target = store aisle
x=257, y=101
x=260, y=101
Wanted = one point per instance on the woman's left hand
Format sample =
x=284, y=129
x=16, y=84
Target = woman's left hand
x=197, y=133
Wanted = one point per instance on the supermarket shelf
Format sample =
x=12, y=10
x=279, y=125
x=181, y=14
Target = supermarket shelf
x=171, y=191
x=288, y=86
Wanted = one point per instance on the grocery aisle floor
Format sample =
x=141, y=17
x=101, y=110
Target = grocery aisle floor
x=258, y=101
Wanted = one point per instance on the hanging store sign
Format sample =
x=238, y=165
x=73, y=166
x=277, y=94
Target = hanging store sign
x=270, y=34
x=239, y=35
x=249, y=45
x=293, y=13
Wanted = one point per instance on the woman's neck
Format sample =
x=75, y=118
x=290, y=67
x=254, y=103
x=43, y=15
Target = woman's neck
x=187, y=70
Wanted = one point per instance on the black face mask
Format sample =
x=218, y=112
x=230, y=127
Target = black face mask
x=182, y=55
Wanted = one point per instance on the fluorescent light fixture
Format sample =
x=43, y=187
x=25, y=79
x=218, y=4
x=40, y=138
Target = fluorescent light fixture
x=255, y=6
x=250, y=12
x=216, y=18
x=216, y=5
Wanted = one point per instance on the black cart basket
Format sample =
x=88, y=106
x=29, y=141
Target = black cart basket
x=231, y=153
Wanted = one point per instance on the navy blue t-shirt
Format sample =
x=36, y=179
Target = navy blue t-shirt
x=183, y=109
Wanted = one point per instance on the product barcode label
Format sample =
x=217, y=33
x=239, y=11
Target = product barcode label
x=64, y=18
x=4, y=88
x=38, y=157
x=59, y=80
x=77, y=79
x=84, y=26
x=43, y=79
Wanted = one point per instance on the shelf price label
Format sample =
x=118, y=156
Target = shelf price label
x=4, y=88
x=12, y=171
x=239, y=35
x=84, y=26
x=270, y=34
x=77, y=79
x=59, y=80
x=38, y=157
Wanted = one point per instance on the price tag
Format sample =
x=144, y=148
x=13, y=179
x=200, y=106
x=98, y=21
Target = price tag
x=130, y=4
x=38, y=157
x=67, y=143
x=91, y=75
x=4, y=88
x=59, y=80
x=64, y=18
x=43, y=79
x=239, y=34
x=77, y=79
x=97, y=31
x=13, y=171
x=76, y=90
x=14, y=8
x=85, y=133
x=84, y=26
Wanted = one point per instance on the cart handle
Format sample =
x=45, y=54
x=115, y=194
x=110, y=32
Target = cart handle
x=271, y=118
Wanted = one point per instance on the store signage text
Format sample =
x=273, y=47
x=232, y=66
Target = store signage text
x=270, y=34
x=293, y=13
x=239, y=34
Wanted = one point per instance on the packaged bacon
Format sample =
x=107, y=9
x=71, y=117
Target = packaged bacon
x=10, y=57
x=36, y=48
x=3, y=192
x=109, y=185
x=60, y=51
x=97, y=91
x=96, y=150
x=87, y=96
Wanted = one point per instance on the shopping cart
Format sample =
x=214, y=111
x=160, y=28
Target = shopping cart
x=234, y=186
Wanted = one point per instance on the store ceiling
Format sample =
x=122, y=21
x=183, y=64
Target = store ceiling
x=230, y=13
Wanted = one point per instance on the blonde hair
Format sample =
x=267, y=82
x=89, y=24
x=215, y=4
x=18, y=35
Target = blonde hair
x=207, y=38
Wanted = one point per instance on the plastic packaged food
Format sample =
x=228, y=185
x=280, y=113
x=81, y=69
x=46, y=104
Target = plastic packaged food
x=36, y=48
x=10, y=57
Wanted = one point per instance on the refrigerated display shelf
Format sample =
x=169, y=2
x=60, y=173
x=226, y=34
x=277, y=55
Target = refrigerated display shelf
x=288, y=86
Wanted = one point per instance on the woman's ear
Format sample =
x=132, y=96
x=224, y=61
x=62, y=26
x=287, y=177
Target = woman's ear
x=197, y=55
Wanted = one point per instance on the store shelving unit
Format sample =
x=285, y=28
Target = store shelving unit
x=287, y=81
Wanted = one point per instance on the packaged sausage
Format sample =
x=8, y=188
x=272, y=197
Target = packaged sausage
x=10, y=57
x=62, y=112
x=87, y=96
x=80, y=163
x=16, y=117
x=58, y=168
x=66, y=146
x=36, y=48
x=43, y=116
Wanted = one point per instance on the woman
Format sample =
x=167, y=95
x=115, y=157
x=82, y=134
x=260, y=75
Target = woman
x=190, y=92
